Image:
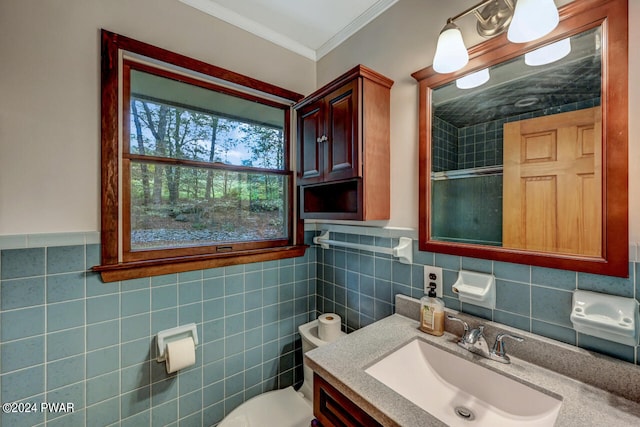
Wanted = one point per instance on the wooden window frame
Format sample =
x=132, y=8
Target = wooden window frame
x=118, y=262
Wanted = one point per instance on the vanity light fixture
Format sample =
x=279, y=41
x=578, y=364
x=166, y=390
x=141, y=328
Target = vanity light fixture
x=549, y=53
x=451, y=53
x=532, y=19
x=473, y=80
x=528, y=20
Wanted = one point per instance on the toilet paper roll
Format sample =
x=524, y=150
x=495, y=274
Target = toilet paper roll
x=329, y=326
x=180, y=354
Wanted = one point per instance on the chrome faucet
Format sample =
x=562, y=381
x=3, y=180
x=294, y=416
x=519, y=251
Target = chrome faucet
x=499, y=352
x=474, y=340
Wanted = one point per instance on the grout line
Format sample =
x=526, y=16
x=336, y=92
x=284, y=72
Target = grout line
x=46, y=329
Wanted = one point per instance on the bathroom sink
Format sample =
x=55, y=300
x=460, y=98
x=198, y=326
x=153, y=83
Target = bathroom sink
x=461, y=393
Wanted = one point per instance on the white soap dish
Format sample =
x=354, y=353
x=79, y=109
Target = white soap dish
x=476, y=288
x=609, y=317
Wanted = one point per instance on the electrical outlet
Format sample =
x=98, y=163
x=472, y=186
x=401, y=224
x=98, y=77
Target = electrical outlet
x=433, y=278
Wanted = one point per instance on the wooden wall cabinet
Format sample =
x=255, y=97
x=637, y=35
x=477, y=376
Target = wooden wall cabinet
x=333, y=409
x=343, y=134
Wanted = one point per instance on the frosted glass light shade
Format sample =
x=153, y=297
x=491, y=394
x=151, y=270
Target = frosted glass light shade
x=548, y=54
x=532, y=19
x=473, y=80
x=451, y=53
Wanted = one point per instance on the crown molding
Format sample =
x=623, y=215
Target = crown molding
x=354, y=26
x=235, y=19
x=214, y=9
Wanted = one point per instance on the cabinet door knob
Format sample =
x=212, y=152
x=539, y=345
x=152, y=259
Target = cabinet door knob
x=322, y=138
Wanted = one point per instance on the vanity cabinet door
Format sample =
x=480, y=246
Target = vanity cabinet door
x=341, y=151
x=311, y=143
x=333, y=409
x=328, y=137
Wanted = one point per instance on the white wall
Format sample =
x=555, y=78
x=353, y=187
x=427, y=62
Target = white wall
x=401, y=41
x=50, y=95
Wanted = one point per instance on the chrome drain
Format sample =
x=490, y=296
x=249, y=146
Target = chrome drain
x=464, y=413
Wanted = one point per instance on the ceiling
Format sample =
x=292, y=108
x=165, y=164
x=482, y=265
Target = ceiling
x=311, y=28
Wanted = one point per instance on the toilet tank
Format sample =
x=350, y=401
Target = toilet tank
x=309, y=335
x=310, y=340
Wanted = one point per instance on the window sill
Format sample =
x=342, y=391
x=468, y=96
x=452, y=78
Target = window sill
x=138, y=269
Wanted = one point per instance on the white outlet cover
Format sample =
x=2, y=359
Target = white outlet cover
x=437, y=271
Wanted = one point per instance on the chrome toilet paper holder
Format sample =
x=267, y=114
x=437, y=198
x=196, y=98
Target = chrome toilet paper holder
x=173, y=334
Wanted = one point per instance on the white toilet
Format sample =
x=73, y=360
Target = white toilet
x=281, y=408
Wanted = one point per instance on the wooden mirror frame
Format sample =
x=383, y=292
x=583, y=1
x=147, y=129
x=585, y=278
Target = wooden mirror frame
x=575, y=17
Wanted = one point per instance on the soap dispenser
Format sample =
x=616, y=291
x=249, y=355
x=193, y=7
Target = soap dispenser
x=432, y=314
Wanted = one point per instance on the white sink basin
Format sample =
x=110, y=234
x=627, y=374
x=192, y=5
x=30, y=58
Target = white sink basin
x=461, y=393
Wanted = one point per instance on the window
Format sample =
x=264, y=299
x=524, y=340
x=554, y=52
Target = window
x=195, y=164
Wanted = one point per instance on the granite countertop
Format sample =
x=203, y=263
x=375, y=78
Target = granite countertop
x=343, y=362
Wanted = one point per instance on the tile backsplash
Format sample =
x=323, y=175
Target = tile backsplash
x=360, y=286
x=67, y=337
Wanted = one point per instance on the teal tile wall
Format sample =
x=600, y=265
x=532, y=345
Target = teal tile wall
x=360, y=286
x=67, y=337
x=444, y=150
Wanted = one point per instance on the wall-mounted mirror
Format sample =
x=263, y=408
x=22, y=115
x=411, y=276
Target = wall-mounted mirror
x=523, y=153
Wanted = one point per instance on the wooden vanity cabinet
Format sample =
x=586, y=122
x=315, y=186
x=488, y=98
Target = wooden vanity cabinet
x=343, y=137
x=333, y=409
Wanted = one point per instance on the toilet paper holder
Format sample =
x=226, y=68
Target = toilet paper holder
x=172, y=334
